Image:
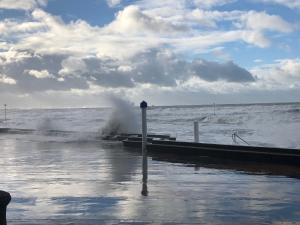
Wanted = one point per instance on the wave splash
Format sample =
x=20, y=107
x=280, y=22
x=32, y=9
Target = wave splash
x=123, y=119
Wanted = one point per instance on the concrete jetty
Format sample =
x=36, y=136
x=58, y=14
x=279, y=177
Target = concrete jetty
x=232, y=152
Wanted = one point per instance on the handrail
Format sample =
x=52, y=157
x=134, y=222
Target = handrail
x=235, y=135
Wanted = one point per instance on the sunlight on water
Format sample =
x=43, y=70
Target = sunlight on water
x=101, y=180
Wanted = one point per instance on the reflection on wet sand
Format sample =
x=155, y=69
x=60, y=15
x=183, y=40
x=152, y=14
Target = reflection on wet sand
x=99, y=182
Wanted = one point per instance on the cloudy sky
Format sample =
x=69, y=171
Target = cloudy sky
x=75, y=53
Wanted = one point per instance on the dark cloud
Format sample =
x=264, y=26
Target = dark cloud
x=165, y=68
x=113, y=79
x=18, y=70
x=214, y=71
x=161, y=68
x=107, y=73
x=65, y=72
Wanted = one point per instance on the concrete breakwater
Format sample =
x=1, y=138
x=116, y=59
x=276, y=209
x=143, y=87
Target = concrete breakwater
x=231, y=152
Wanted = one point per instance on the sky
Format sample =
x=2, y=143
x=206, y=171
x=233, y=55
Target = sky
x=77, y=53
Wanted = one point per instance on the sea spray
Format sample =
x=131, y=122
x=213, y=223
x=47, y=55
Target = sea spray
x=46, y=124
x=123, y=119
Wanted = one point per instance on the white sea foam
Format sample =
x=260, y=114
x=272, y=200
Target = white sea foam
x=123, y=119
x=47, y=124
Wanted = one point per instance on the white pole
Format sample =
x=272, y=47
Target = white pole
x=143, y=106
x=196, y=131
x=4, y=112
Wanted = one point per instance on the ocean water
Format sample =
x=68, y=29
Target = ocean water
x=275, y=125
x=61, y=172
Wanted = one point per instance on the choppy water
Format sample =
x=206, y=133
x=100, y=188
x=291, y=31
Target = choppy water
x=259, y=124
x=74, y=176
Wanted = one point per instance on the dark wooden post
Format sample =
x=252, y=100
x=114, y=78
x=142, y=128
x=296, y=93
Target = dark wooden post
x=4, y=200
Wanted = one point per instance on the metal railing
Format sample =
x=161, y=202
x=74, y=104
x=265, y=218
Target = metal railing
x=235, y=136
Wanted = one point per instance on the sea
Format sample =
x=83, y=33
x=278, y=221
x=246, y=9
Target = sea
x=59, y=170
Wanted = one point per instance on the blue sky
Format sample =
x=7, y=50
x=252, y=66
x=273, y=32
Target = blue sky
x=65, y=53
x=95, y=12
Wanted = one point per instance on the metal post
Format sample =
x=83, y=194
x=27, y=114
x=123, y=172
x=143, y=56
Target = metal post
x=143, y=106
x=4, y=200
x=5, y=112
x=196, y=131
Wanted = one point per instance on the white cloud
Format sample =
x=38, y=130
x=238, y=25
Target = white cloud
x=143, y=47
x=133, y=20
x=10, y=28
x=196, y=84
x=293, y=4
x=125, y=68
x=258, y=60
x=211, y=3
x=256, y=38
x=250, y=26
x=12, y=55
x=7, y=80
x=210, y=18
x=40, y=74
x=22, y=4
x=262, y=21
x=78, y=37
x=171, y=4
x=113, y=3
x=72, y=66
x=180, y=4
x=284, y=74
x=207, y=41
x=251, y=20
x=136, y=30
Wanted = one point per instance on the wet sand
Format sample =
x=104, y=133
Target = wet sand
x=94, y=182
